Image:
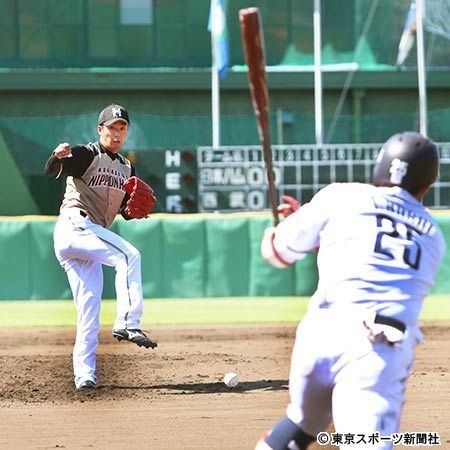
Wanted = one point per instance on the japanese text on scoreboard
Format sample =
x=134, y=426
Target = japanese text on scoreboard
x=235, y=179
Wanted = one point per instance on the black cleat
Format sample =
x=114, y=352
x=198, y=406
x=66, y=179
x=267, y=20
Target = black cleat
x=87, y=384
x=136, y=336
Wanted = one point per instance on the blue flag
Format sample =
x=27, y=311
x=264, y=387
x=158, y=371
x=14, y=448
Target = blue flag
x=222, y=48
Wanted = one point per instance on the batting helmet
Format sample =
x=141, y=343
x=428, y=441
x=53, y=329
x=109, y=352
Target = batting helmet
x=408, y=160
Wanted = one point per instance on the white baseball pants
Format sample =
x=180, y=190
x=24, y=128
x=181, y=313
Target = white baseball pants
x=338, y=374
x=82, y=247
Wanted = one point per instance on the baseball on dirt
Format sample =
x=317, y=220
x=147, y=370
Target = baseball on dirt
x=231, y=379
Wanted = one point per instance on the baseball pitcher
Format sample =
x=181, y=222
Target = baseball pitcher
x=100, y=184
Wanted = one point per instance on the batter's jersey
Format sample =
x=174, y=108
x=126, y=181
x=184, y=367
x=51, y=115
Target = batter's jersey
x=95, y=178
x=379, y=248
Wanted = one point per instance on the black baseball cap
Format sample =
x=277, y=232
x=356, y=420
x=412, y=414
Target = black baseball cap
x=113, y=113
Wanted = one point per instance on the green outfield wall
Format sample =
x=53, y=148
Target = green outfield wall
x=198, y=255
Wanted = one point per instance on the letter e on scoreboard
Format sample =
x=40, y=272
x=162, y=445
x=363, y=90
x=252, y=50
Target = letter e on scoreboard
x=173, y=181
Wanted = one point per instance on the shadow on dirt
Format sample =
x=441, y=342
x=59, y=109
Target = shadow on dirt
x=208, y=388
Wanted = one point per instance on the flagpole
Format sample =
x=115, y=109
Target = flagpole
x=317, y=72
x=215, y=89
x=421, y=71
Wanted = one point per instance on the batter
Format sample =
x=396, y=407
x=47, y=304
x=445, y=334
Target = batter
x=379, y=253
x=100, y=184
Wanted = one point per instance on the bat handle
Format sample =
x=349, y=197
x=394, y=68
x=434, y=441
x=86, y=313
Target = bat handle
x=272, y=191
x=276, y=218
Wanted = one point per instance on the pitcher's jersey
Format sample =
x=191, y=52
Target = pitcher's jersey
x=379, y=248
x=95, y=179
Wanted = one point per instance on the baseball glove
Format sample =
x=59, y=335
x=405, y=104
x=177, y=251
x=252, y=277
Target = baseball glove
x=141, y=201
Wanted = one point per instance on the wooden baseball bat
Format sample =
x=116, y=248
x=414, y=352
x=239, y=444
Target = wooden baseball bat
x=254, y=51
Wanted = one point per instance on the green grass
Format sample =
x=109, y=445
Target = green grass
x=55, y=313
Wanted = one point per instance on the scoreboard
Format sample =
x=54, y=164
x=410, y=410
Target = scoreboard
x=234, y=178
x=172, y=173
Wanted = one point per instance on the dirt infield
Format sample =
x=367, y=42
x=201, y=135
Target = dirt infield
x=173, y=397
